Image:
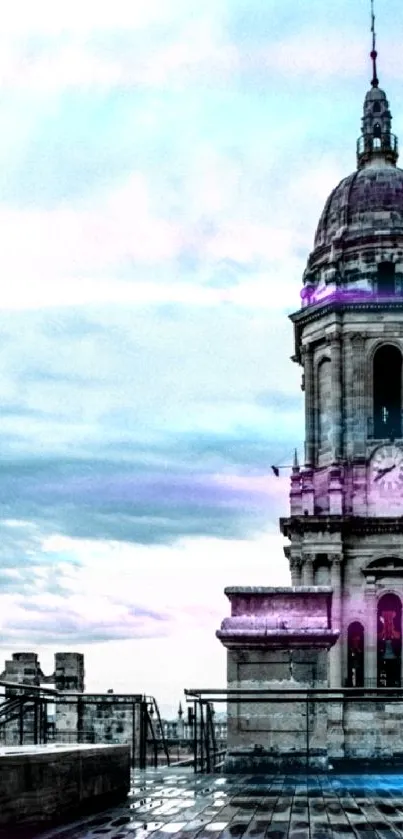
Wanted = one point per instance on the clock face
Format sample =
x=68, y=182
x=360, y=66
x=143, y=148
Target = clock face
x=386, y=471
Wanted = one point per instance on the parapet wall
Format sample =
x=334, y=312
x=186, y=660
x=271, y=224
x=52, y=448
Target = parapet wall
x=43, y=784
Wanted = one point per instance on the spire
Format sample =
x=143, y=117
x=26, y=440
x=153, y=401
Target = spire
x=295, y=466
x=377, y=144
x=373, y=54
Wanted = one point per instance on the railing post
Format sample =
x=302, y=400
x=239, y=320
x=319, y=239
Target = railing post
x=133, y=734
x=195, y=749
x=80, y=715
x=143, y=735
x=21, y=721
x=36, y=704
x=45, y=721
x=201, y=737
x=207, y=736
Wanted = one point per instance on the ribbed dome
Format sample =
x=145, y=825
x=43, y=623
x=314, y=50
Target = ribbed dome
x=358, y=245
x=369, y=200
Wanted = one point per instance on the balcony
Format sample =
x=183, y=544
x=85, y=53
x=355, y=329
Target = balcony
x=386, y=146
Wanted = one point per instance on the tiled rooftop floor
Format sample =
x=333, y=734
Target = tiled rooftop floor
x=178, y=803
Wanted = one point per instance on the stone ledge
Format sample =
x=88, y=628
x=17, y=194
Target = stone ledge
x=277, y=638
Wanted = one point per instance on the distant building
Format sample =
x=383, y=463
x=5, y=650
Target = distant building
x=25, y=668
x=75, y=716
x=181, y=729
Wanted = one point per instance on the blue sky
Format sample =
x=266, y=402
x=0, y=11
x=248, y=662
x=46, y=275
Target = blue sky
x=163, y=166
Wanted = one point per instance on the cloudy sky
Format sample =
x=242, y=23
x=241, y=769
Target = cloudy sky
x=163, y=164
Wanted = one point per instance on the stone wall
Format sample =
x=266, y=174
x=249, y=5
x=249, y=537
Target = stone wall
x=370, y=732
x=43, y=784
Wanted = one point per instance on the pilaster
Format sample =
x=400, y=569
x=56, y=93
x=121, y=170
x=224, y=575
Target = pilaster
x=296, y=493
x=370, y=637
x=308, y=492
x=335, y=492
x=309, y=406
x=336, y=675
x=336, y=374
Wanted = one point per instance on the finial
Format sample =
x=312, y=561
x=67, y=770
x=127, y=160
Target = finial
x=295, y=466
x=373, y=54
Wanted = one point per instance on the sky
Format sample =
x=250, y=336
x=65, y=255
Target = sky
x=163, y=166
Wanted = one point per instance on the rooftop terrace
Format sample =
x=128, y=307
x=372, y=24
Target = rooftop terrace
x=177, y=802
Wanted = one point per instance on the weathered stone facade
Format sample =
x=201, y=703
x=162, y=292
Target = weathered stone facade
x=345, y=527
x=277, y=638
x=346, y=503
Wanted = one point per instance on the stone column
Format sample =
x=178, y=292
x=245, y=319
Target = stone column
x=337, y=419
x=370, y=637
x=336, y=656
x=309, y=406
x=307, y=573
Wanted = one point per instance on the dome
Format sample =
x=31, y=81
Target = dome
x=368, y=201
x=358, y=245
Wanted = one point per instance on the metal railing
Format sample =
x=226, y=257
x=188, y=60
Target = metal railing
x=135, y=719
x=209, y=758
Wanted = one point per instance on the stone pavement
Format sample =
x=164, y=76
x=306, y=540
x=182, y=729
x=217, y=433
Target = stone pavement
x=178, y=803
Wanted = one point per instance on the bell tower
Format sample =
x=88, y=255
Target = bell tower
x=345, y=526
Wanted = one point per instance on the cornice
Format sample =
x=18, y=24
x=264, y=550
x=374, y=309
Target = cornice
x=277, y=639
x=317, y=310
x=346, y=525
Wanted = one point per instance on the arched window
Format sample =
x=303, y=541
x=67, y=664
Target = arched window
x=389, y=641
x=324, y=404
x=386, y=278
x=387, y=383
x=377, y=130
x=355, y=655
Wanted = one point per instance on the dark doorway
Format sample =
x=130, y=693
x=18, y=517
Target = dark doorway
x=389, y=641
x=387, y=380
x=355, y=655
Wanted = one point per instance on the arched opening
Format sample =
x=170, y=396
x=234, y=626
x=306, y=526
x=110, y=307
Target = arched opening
x=355, y=655
x=376, y=108
x=386, y=278
x=389, y=641
x=377, y=130
x=387, y=382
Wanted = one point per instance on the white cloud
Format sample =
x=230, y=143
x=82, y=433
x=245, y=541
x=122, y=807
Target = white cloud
x=185, y=583
x=45, y=16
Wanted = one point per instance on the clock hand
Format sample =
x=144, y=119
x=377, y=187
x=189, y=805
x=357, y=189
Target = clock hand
x=384, y=471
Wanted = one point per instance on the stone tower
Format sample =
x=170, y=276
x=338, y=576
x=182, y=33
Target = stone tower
x=346, y=503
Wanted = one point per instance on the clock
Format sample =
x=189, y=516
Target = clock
x=386, y=470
